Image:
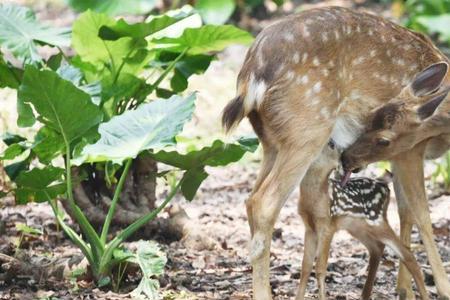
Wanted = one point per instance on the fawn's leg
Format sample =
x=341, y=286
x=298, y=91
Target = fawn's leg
x=375, y=252
x=409, y=170
x=363, y=232
x=325, y=237
x=290, y=166
x=404, y=286
x=407, y=258
x=309, y=254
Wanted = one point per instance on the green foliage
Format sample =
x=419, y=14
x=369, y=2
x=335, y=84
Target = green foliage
x=442, y=172
x=431, y=16
x=100, y=109
x=114, y=7
x=21, y=33
x=205, y=39
x=215, y=11
x=151, y=261
x=39, y=185
x=152, y=125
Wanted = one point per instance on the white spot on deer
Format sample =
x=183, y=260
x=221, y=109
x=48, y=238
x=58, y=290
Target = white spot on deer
x=346, y=130
x=355, y=95
x=255, y=93
x=324, y=37
x=305, y=31
x=304, y=57
x=316, y=61
x=336, y=34
x=400, y=62
x=349, y=30
x=412, y=68
x=370, y=32
x=289, y=37
x=308, y=93
x=406, y=47
x=296, y=57
x=325, y=72
x=290, y=74
x=358, y=60
x=331, y=64
x=384, y=78
x=302, y=79
x=373, y=53
x=315, y=102
x=317, y=86
x=324, y=112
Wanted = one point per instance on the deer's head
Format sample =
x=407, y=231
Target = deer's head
x=398, y=125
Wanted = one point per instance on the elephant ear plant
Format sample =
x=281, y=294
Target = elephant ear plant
x=102, y=111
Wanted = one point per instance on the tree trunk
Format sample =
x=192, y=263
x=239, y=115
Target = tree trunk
x=138, y=198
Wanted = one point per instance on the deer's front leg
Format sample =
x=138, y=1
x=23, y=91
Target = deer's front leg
x=408, y=170
x=404, y=286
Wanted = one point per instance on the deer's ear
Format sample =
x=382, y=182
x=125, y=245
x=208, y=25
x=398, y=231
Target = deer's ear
x=427, y=109
x=429, y=80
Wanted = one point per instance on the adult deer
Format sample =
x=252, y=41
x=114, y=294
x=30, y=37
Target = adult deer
x=320, y=74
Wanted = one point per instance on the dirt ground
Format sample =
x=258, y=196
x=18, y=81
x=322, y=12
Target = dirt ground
x=219, y=212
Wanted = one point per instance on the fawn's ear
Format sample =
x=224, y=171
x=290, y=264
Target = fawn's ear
x=429, y=80
x=427, y=109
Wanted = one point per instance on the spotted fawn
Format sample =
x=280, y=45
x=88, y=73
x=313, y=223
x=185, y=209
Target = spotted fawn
x=360, y=208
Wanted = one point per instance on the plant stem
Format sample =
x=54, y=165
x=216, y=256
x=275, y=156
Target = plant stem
x=74, y=237
x=106, y=258
x=86, y=227
x=166, y=72
x=112, y=208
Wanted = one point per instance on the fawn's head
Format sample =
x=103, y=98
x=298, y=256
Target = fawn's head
x=328, y=159
x=396, y=126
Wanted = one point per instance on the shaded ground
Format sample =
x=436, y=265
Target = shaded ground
x=221, y=273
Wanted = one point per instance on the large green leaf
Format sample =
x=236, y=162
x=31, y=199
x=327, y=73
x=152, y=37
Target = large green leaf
x=140, y=30
x=59, y=104
x=215, y=11
x=152, y=125
x=21, y=33
x=194, y=162
x=114, y=7
x=437, y=24
x=39, y=185
x=10, y=76
x=209, y=38
x=122, y=53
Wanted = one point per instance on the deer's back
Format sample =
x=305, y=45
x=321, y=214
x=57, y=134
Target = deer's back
x=328, y=63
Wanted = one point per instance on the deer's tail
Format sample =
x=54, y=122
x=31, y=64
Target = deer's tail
x=233, y=113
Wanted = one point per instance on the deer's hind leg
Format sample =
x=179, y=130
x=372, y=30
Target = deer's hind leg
x=291, y=163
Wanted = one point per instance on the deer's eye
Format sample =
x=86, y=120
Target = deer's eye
x=331, y=144
x=383, y=142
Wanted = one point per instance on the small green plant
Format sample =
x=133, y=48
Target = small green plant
x=25, y=231
x=442, y=172
x=116, y=101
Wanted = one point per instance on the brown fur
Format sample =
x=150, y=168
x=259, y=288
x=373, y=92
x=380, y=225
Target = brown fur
x=308, y=73
x=314, y=207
